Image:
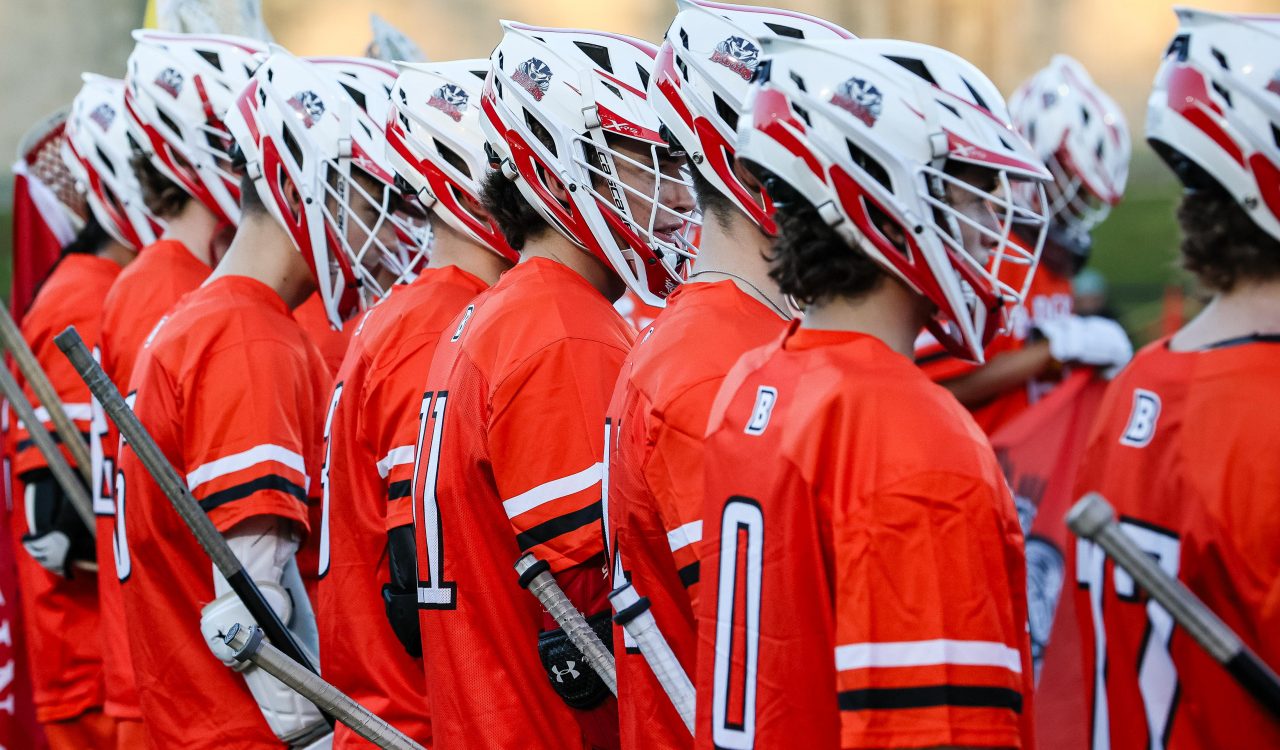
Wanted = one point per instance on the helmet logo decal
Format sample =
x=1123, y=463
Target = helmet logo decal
x=737, y=54
x=860, y=99
x=170, y=80
x=534, y=76
x=1274, y=86
x=103, y=114
x=451, y=100
x=308, y=106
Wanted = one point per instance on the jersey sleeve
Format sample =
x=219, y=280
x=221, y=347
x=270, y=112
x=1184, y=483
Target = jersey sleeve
x=928, y=645
x=546, y=437
x=247, y=432
x=390, y=414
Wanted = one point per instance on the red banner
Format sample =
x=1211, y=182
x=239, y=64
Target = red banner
x=1040, y=452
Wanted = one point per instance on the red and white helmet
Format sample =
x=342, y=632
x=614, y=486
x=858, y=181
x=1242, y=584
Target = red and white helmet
x=701, y=78
x=97, y=151
x=865, y=130
x=178, y=88
x=304, y=124
x=1082, y=135
x=435, y=144
x=579, y=89
x=1214, y=112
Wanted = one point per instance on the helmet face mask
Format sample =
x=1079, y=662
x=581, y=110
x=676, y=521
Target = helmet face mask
x=557, y=106
x=312, y=135
x=904, y=150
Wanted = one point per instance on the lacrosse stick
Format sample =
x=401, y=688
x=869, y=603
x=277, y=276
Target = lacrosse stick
x=535, y=575
x=1093, y=518
x=634, y=616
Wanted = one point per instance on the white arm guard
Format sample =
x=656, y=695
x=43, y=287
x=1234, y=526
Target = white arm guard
x=265, y=547
x=1089, y=340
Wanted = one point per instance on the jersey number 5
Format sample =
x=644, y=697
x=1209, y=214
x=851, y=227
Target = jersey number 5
x=1157, y=676
x=433, y=591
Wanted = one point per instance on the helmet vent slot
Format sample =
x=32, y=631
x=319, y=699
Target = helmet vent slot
x=786, y=31
x=726, y=112
x=977, y=98
x=798, y=81
x=451, y=157
x=598, y=54
x=644, y=76
x=1221, y=58
x=1222, y=92
x=356, y=94
x=213, y=58
x=868, y=164
x=291, y=144
x=915, y=66
x=802, y=112
x=1180, y=47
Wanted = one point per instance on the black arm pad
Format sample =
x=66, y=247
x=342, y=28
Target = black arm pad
x=51, y=511
x=571, y=676
x=401, y=595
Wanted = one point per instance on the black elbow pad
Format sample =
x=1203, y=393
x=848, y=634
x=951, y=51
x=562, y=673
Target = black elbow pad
x=401, y=595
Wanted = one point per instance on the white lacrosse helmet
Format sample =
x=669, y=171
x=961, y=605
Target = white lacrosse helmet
x=1082, y=135
x=865, y=131
x=1214, y=112
x=580, y=90
x=701, y=79
x=435, y=144
x=304, y=123
x=178, y=89
x=97, y=151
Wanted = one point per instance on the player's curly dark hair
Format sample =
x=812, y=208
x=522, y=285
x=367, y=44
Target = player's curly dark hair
x=161, y=195
x=1221, y=245
x=519, y=221
x=810, y=261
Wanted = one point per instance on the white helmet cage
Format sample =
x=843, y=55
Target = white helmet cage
x=178, y=89
x=868, y=132
x=304, y=123
x=700, y=82
x=435, y=144
x=97, y=152
x=556, y=105
x=1082, y=135
x=1214, y=111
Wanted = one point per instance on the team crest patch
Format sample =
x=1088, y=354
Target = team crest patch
x=534, y=76
x=451, y=100
x=1274, y=86
x=860, y=99
x=737, y=54
x=103, y=114
x=309, y=106
x=170, y=80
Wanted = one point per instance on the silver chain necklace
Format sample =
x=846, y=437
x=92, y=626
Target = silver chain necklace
x=785, y=315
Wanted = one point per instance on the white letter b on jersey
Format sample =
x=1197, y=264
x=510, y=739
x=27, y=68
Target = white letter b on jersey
x=766, y=397
x=1142, y=420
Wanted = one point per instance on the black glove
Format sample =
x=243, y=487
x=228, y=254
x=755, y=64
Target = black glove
x=574, y=680
x=401, y=595
x=57, y=537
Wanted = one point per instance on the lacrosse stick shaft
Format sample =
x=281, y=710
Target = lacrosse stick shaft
x=158, y=466
x=1093, y=518
x=535, y=575
x=62, y=471
x=634, y=616
x=249, y=645
x=45, y=394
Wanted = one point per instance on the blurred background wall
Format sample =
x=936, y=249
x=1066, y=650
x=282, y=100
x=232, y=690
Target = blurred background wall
x=44, y=44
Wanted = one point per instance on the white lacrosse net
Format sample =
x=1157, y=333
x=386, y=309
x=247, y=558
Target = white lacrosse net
x=238, y=17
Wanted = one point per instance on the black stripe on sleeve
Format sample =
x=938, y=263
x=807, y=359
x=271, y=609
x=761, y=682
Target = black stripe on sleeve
x=689, y=574
x=964, y=696
x=400, y=490
x=261, y=484
x=549, y=530
x=57, y=440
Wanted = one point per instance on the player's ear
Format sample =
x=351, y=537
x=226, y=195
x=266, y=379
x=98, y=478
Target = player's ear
x=558, y=189
x=293, y=197
x=749, y=180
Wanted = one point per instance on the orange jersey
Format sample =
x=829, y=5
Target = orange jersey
x=61, y=616
x=509, y=462
x=332, y=344
x=1184, y=449
x=147, y=289
x=633, y=310
x=370, y=438
x=1049, y=298
x=231, y=389
x=658, y=417
x=864, y=582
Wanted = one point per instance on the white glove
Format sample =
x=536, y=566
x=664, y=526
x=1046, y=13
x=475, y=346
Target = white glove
x=50, y=551
x=219, y=615
x=1088, y=340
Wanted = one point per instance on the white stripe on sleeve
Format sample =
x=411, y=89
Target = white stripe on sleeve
x=76, y=412
x=553, y=490
x=928, y=653
x=683, y=536
x=397, y=457
x=259, y=454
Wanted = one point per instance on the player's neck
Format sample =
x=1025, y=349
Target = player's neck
x=890, y=312
x=120, y=254
x=261, y=250
x=553, y=246
x=1249, y=308
x=195, y=227
x=452, y=249
x=736, y=250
